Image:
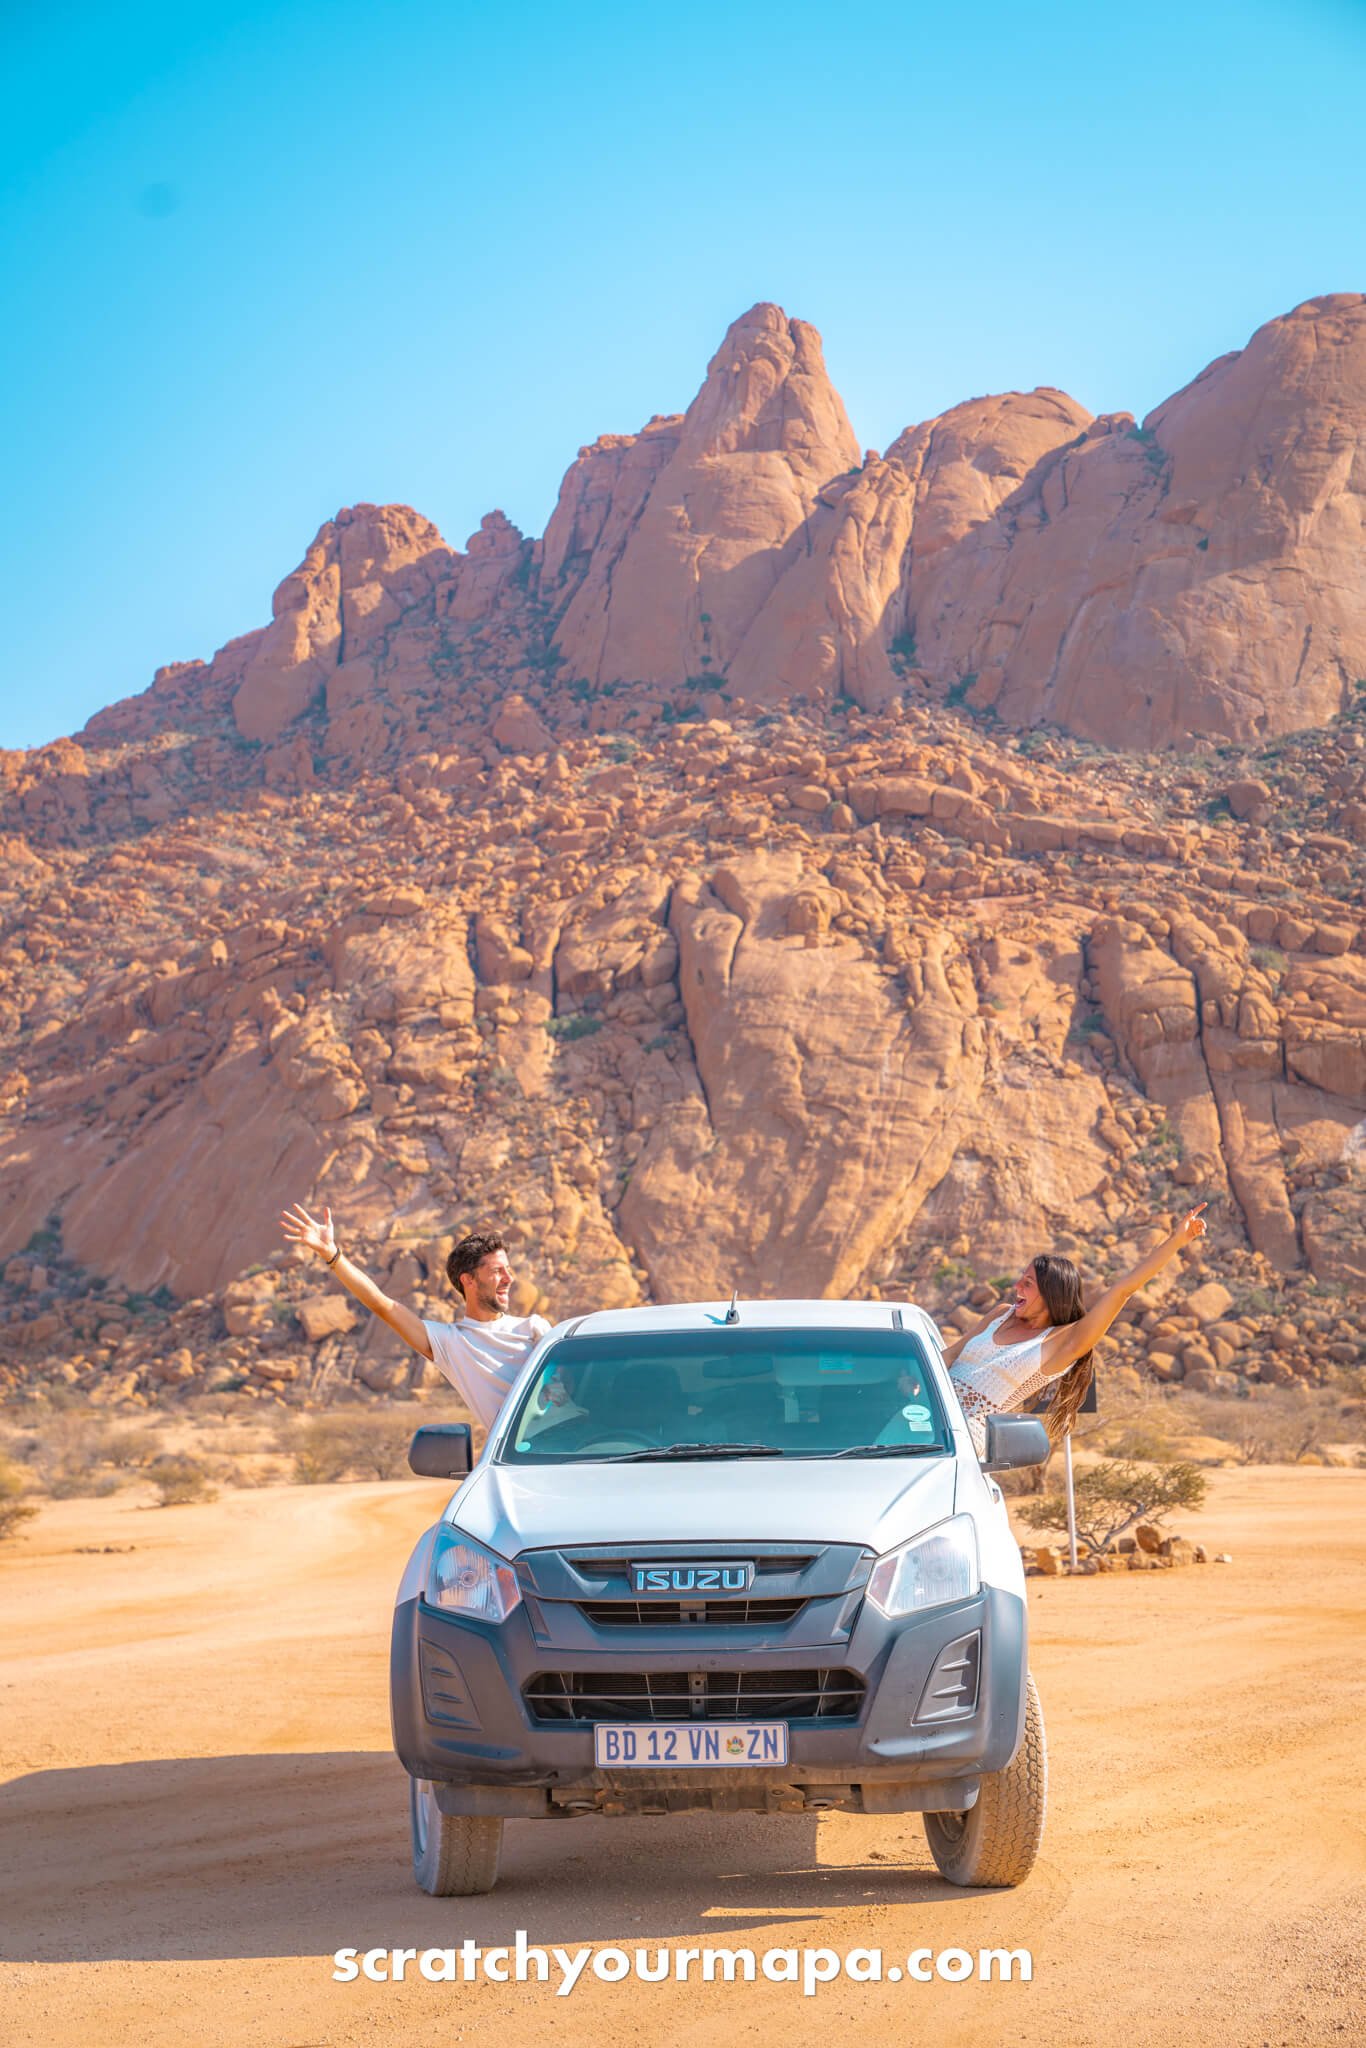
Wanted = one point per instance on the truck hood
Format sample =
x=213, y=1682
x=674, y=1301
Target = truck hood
x=879, y=1502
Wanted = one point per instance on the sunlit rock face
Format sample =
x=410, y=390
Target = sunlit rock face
x=692, y=897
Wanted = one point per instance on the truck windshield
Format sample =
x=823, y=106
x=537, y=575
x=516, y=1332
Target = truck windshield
x=802, y=1393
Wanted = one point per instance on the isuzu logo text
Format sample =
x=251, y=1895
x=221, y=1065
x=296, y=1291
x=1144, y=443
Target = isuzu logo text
x=691, y=1578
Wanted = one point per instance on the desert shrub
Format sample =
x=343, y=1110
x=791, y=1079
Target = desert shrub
x=318, y=1454
x=14, y=1510
x=1089, y=1026
x=57, y=1398
x=1143, y=1442
x=245, y=1440
x=1114, y=1495
x=568, y=1029
x=366, y=1446
x=1278, y=1427
x=68, y=1456
x=125, y=1448
x=1161, y=1147
x=219, y=1400
x=1266, y=1438
x=1024, y=1482
x=181, y=1480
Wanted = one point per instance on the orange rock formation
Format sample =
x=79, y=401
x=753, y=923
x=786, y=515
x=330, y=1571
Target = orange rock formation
x=732, y=887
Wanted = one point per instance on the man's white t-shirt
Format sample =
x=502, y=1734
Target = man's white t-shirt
x=481, y=1360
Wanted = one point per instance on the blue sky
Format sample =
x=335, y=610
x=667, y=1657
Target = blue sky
x=266, y=260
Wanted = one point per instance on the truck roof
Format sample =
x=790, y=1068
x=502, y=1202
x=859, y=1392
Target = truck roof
x=755, y=1315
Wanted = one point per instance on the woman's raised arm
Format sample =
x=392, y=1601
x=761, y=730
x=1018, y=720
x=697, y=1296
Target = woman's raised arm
x=1070, y=1341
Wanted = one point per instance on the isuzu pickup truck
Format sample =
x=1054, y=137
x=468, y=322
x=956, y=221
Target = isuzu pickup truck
x=733, y=1557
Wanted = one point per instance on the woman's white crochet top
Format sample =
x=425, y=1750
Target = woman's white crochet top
x=989, y=1377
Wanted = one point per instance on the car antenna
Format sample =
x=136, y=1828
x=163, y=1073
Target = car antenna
x=733, y=1313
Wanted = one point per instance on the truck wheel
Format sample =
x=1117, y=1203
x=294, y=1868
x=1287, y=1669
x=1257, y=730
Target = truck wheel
x=996, y=1841
x=454, y=1854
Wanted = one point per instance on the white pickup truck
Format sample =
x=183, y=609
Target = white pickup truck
x=734, y=1557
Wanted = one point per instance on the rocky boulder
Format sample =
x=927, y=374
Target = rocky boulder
x=1192, y=576
x=663, y=574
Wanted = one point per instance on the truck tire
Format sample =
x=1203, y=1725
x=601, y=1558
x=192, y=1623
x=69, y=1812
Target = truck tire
x=996, y=1841
x=454, y=1854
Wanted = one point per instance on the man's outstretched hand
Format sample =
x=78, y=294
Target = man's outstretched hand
x=307, y=1233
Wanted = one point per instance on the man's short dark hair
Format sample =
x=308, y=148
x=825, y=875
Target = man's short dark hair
x=469, y=1255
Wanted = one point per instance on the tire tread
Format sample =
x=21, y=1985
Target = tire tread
x=1004, y=1829
x=462, y=1853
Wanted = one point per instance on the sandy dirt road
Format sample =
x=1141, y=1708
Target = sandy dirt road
x=199, y=1805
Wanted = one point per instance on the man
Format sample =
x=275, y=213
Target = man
x=482, y=1355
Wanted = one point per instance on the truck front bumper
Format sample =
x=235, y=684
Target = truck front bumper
x=921, y=1737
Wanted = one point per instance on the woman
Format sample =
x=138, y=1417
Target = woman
x=1047, y=1337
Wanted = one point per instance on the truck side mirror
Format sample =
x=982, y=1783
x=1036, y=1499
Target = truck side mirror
x=1014, y=1440
x=441, y=1450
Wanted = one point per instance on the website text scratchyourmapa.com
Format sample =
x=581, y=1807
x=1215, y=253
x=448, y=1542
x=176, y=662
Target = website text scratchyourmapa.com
x=524, y=1962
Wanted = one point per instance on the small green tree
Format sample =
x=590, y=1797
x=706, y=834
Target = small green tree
x=1112, y=1497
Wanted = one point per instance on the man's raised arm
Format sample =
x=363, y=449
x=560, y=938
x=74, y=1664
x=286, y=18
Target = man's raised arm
x=308, y=1234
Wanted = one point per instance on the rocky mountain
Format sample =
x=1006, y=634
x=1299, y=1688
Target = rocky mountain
x=794, y=871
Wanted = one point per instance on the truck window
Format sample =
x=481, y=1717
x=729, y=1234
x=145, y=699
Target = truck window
x=801, y=1393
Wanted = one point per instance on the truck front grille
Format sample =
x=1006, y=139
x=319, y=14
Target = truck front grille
x=616, y=1563
x=588, y=1696
x=685, y=1614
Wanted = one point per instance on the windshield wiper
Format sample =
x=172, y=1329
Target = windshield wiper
x=696, y=1451
x=889, y=1451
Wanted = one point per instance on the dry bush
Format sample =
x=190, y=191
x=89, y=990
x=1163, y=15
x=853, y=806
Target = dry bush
x=1147, y=1442
x=1276, y=1428
x=221, y=1403
x=1025, y=1481
x=57, y=1397
x=181, y=1480
x=69, y=1456
x=362, y=1445
x=131, y=1449
x=246, y=1442
x=14, y=1510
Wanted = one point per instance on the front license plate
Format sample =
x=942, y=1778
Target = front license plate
x=649, y=1745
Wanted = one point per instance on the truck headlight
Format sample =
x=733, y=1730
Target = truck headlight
x=935, y=1568
x=464, y=1578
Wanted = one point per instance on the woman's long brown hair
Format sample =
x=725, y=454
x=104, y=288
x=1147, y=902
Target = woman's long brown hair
x=1059, y=1284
